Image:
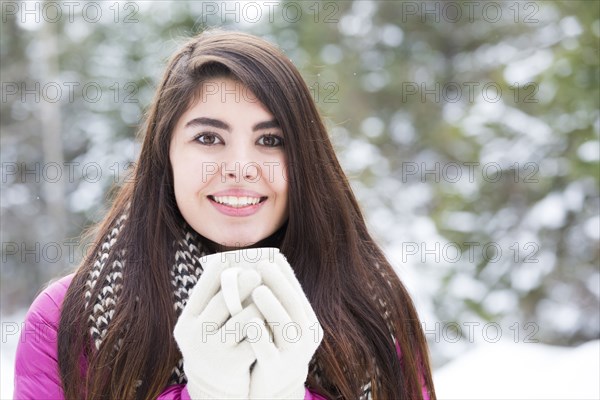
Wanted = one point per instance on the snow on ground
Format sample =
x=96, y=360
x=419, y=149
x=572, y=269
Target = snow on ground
x=502, y=370
x=508, y=370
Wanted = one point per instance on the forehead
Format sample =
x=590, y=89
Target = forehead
x=229, y=103
x=223, y=95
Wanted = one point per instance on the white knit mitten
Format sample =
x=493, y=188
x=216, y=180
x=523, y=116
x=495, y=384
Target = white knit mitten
x=232, y=263
x=284, y=350
x=216, y=358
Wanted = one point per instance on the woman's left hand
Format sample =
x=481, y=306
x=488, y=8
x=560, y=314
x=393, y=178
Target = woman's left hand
x=285, y=346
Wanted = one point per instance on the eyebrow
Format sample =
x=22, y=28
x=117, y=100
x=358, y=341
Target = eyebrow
x=217, y=123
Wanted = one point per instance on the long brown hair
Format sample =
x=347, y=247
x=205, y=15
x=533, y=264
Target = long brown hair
x=361, y=304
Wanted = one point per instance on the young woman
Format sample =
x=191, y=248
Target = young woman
x=234, y=156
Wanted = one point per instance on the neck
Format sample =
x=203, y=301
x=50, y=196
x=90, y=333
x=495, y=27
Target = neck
x=274, y=240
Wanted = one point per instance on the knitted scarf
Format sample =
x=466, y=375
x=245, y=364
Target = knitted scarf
x=185, y=272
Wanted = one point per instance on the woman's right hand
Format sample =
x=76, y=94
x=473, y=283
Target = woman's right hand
x=216, y=359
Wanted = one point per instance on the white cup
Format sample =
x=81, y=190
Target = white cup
x=237, y=261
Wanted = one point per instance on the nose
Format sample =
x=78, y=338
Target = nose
x=240, y=164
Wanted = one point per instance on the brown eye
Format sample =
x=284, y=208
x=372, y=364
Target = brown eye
x=271, y=141
x=208, y=139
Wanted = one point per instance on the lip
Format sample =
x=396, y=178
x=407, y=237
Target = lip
x=237, y=211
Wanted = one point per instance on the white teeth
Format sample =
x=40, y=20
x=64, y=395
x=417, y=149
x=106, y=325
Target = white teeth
x=233, y=201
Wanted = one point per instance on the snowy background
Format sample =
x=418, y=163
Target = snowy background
x=469, y=132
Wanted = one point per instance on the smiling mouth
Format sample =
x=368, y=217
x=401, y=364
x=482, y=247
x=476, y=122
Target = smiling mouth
x=237, y=201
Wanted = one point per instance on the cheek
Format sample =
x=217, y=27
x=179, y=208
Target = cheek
x=190, y=170
x=280, y=178
x=281, y=185
x=179, y=177
x=187, y=183
x=179, y=184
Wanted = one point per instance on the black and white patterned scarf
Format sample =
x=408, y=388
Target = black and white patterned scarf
x=185, y=272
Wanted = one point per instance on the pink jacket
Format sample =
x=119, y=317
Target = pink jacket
x=36, y=365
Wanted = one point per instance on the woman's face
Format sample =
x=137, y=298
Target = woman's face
x=229, y=166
